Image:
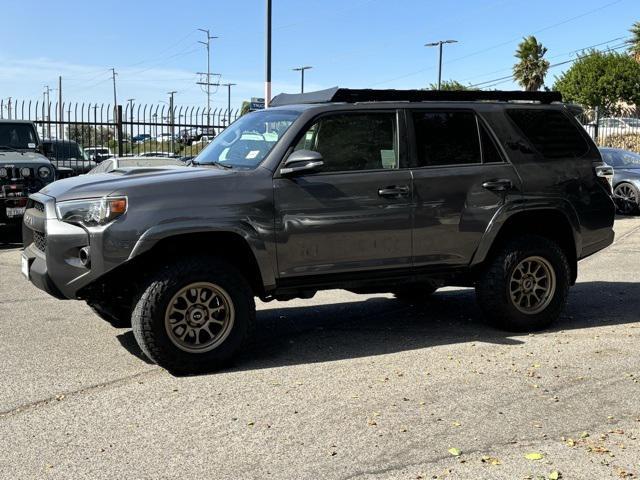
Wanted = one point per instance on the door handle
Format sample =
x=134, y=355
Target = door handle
x=500, y=185
x=395, y=191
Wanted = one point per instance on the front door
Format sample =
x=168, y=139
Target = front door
x=354, y=214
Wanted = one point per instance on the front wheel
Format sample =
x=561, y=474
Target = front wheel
x=194, y=315
x=524, y=287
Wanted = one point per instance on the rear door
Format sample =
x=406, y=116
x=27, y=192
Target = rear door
x=461, y=179
x=354, y=214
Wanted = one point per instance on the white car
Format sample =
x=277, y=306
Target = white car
x=164, y=137
x=99, y=153
x=609, y=126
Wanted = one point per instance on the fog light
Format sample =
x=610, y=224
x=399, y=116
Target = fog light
x=85, y=256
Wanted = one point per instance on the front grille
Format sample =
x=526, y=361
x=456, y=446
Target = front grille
x=40, y=240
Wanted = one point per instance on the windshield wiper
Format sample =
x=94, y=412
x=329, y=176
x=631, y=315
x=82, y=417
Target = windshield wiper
x=7, y=147
x=222, y=165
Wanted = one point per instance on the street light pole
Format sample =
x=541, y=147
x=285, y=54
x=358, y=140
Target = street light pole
x=301, y=70
x=267, y=73
x=439, y=44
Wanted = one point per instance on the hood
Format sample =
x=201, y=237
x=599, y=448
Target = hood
x=22, y=159
x=123, y=181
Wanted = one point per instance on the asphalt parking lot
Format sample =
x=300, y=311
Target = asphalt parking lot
x=338, y=387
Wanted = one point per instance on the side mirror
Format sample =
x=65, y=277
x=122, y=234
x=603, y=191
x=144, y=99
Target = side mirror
x=302, y=161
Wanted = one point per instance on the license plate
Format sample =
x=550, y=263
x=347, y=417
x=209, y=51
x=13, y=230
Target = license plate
x=25, y=266
x=15, y=211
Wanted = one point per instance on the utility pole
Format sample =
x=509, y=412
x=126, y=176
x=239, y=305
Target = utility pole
x=130, y=100
x=60, y=108
x=47, y=111
x=301, y=70
x=228, y=85
x=115, y=101
x=439, y=44
x=171, y=116
x=208, y=82
x=267, y=72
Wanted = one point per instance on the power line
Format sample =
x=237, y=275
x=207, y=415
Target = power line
x=501, y=44
x=498, y=81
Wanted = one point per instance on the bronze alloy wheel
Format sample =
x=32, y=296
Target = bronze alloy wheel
x=199, y=317
x=532, y=285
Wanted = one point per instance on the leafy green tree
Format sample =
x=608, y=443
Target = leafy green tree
x=532, y=67
x=601, y=79
x=246, y=108
x=634, y=43
x=450, y=85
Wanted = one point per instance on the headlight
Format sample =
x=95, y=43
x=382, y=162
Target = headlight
x=44, y=172
x=25, y=172
x=3, y=172
x=93, y=211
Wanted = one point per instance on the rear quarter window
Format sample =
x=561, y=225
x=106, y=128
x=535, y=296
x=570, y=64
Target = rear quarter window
x=550, y=132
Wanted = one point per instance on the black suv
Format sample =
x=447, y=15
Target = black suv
x=369, y=191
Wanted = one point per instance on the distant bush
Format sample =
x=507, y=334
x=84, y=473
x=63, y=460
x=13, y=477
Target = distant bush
x=626, y=142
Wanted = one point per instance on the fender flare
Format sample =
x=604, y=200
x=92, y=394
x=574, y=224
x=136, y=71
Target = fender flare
x=507, y=212
x=251, y=236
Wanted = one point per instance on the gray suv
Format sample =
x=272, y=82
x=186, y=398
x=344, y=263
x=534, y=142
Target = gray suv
x=364, y=190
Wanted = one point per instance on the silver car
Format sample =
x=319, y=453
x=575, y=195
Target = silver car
x=626, y=178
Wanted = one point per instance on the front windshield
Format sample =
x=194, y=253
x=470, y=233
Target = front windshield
x=247, y=141
x=21, y=136
x=621, y=158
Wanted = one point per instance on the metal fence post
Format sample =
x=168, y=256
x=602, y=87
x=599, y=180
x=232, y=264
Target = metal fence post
x=596, y=128
x=119, y=129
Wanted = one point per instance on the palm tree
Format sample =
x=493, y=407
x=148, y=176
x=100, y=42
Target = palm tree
x=531, y=69
x=634, y=43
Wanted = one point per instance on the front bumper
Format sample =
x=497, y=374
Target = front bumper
x=52, y=248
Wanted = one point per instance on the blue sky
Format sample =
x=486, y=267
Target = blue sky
x=355, y=43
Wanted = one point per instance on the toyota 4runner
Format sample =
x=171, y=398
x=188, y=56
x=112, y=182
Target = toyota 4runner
x=365, y=190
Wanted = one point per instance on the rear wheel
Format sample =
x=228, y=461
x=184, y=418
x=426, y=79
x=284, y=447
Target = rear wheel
x=416, y=292
x=627, y=198
x=194, y=315
x=525, y=285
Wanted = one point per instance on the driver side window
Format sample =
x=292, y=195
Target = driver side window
x=362, y=141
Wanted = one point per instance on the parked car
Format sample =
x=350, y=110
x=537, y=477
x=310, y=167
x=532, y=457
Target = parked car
x=141, y=138
x=626, y=178
x=610, y=126
x=164, y=137
x=23, y=170
x=117, y=163
x=67, y=154
x=370, y=191
x=98, y=154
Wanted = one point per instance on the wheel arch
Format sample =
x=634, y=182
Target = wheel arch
x=551, y=222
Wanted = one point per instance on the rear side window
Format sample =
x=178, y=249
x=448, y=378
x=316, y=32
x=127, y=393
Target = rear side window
x=550, y=132
x=446, y=138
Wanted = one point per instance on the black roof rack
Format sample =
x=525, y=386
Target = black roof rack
x=348, y=95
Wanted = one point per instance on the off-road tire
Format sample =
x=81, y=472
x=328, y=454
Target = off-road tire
x=148, y=319
x=416, y=292
x=118, y=315
x=492, y=286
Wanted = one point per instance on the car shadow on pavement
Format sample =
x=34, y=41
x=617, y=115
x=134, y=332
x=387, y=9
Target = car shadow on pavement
x=381, y=325
x=378, y=326
x=10, y=237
